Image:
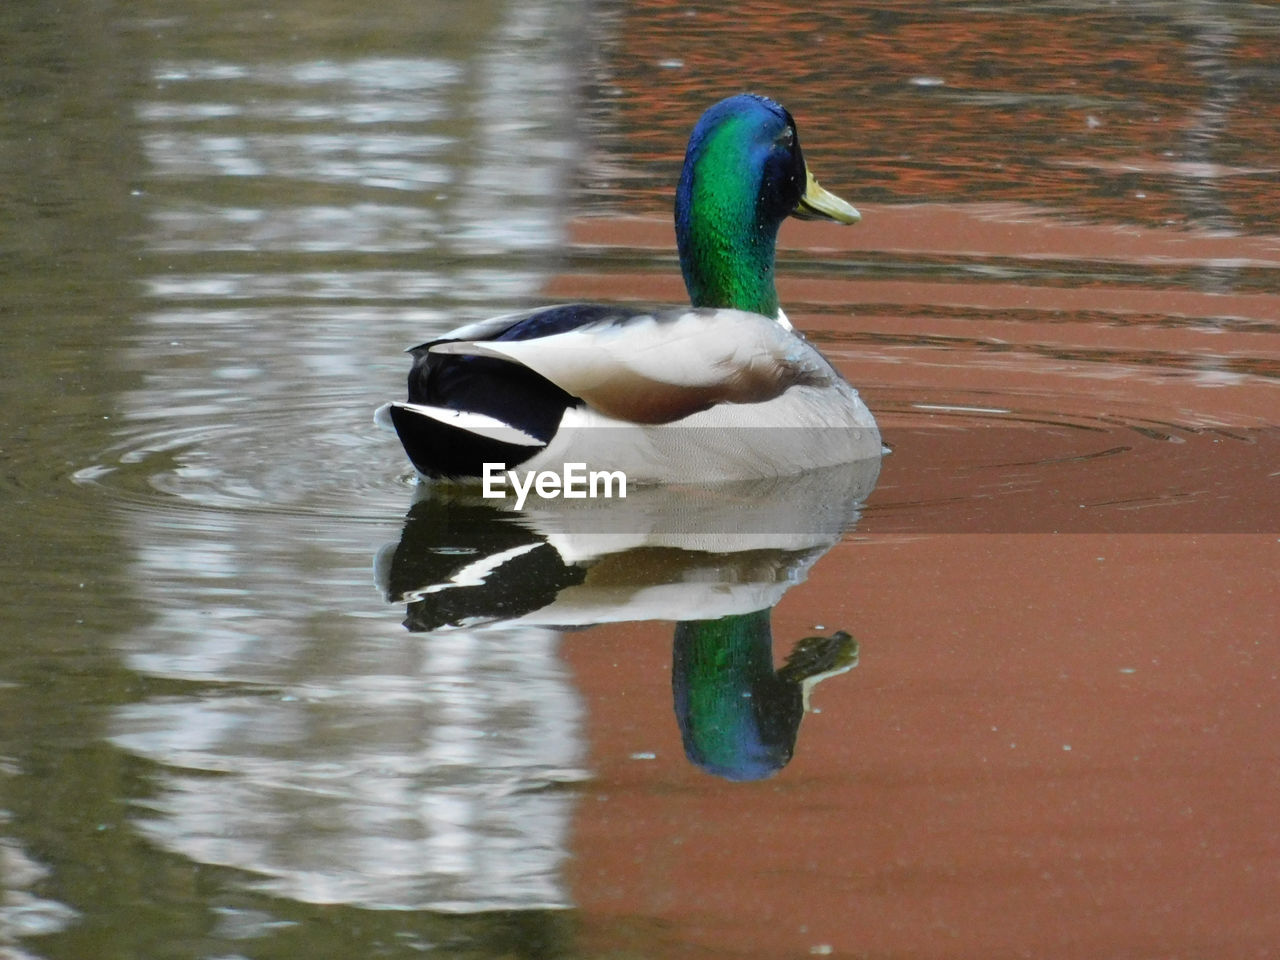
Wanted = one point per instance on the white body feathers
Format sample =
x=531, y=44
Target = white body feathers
x=679, y=395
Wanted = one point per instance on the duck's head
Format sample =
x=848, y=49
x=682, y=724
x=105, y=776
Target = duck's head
x=744, y=173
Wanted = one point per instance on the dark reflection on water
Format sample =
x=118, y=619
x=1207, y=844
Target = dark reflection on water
x=716, y=560
x=220, y=225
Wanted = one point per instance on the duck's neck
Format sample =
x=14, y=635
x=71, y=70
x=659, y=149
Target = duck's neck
x=726, y=245
x=736, y=720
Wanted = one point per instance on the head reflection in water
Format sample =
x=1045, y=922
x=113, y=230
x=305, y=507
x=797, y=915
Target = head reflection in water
x=738, y=716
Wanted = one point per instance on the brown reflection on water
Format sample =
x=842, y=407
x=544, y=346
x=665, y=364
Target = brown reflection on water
x=1062, y=306
x=1060, y=747
x=975, y=229
x=1067, y=400
x=1074, y=108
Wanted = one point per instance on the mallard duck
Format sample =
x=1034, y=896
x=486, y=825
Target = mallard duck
x=723, y=390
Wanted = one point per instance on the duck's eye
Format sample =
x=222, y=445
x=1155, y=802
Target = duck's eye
x=786, y=138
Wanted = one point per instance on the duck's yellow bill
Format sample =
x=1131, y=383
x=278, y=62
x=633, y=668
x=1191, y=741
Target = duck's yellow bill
x=819, y=203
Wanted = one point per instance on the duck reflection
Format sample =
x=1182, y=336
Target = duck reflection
x=738, y=716
x=714, y=559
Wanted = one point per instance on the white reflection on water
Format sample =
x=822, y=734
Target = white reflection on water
x=293, y=111
x=416, y=783
x=344, y=285
x=378, y=75
x=397, y=161
x=323, y=748
x=363, y=227
x=22, y=912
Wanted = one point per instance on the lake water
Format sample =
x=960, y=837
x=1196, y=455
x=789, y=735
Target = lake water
x=262, y=695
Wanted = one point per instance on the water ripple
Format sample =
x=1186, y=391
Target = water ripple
x=264, y=461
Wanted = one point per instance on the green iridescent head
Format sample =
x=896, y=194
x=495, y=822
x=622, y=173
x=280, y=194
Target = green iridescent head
x=744, y=173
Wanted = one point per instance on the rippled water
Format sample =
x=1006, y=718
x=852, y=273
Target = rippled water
x=265, y=694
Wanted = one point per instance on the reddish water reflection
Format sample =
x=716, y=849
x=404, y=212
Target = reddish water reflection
x=1059, y=747
x=1079, y=108
x=1075, y=402
x=1062, y=306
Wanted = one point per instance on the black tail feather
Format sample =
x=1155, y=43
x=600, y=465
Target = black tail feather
x=441, y=450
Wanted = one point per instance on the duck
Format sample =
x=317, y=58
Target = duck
x=721, y=390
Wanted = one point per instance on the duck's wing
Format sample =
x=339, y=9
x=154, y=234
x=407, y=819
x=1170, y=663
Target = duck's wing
x=658, y=366
x=538, y=322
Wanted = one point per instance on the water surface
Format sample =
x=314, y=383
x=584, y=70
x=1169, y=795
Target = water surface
x=266, y=696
